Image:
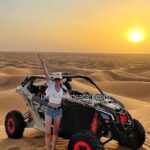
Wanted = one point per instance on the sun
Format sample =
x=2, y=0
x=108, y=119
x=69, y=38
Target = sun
x=136, y=36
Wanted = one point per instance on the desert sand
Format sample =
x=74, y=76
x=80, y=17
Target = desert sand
x=126, y=77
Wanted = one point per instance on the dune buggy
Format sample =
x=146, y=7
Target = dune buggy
x=84, y=125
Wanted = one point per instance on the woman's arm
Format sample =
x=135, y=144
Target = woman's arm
x=69, y=98
x=44, y=67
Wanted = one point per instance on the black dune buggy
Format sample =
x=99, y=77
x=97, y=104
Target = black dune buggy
x=85, y=125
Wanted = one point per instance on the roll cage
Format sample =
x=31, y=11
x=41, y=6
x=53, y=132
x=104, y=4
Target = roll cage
x=68, y=76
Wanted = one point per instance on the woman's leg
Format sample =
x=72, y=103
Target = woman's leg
x=48, y=122
x=57, y=122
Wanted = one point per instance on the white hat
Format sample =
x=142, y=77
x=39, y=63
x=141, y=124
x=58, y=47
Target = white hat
x=56, y=75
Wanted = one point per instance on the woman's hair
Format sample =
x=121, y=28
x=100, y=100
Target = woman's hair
x=64, y=89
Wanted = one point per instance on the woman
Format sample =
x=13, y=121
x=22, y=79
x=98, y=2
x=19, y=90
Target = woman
x=55, y=93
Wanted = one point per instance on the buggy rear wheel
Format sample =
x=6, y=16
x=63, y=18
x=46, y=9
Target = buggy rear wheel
x=85, y=140
x=14, y=124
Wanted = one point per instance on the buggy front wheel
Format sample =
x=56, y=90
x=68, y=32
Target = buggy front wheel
x=85, y=140
x=136, y=138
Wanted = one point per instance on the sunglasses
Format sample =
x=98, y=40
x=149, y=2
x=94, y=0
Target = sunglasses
x=57, y=79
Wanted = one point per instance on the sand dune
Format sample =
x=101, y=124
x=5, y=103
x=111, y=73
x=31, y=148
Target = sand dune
x=10, y=77
x=103, y=75
x=117, y=75
x=125, y=77
x=8, y=82
x=10, y=100
x=145, y=74
x=132, y=89
x=15, y=71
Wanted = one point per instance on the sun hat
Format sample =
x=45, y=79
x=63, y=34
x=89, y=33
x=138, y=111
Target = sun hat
x=57, y=75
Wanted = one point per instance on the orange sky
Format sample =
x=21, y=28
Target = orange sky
x=77, y=26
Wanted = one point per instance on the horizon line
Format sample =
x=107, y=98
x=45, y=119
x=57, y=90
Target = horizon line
x=45, y=51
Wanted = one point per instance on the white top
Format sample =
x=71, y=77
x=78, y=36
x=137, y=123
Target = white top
x=54, y=96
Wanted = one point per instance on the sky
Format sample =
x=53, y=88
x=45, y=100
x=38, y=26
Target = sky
x=101, y=26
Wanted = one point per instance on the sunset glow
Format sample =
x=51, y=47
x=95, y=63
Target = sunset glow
x=75, y=26
x=136, y=37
